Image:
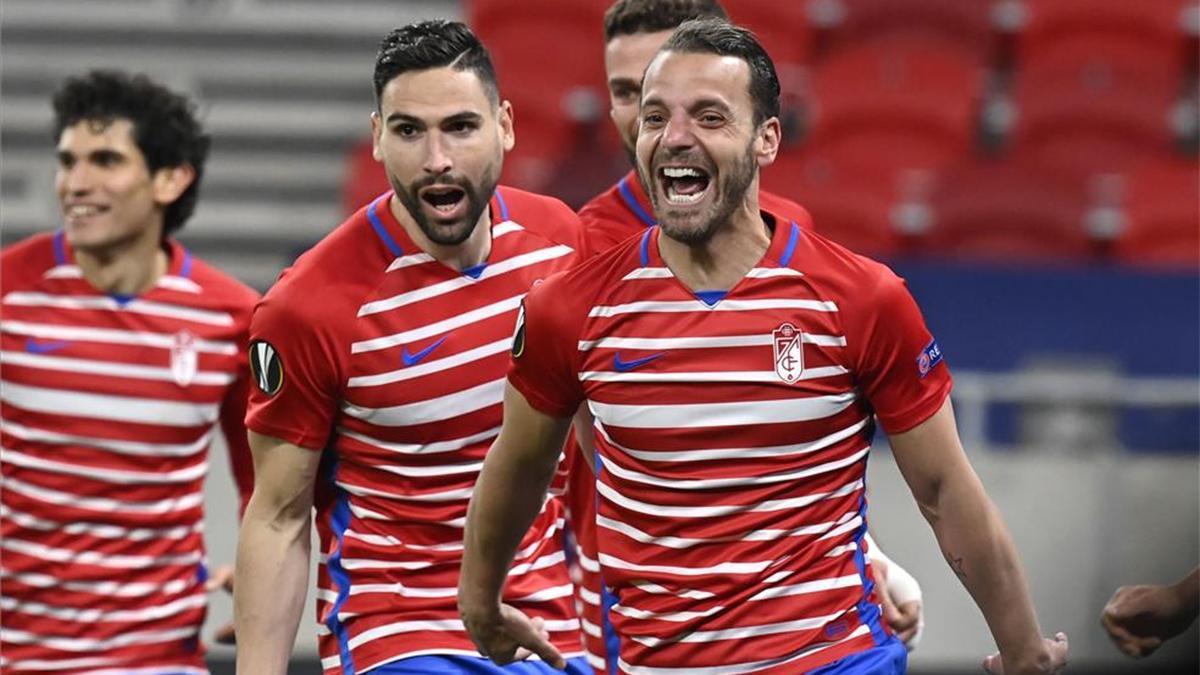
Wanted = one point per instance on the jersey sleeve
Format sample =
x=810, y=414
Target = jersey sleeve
x=898, y=363
x=233, y=426
x=544, y=361
x=295, y=366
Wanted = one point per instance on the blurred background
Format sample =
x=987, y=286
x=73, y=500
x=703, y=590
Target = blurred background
x=1030, y=166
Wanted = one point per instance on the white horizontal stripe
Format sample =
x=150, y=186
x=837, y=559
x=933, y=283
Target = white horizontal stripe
x=848, y=581
x=754, y=273
x=710, y=376
x=431, y=410
x=189, y=501
x=61, y=555
x=112, y=336
x=64, y=272
x=399, y=589
x=770, y=272
x=742, y=668
x=498, y=230
x=674, y=306
x=78, y=615
x=177, y=283
x=121, y=447
x=105, y=407
x=675, y=617
x=90, y=367
x=597, y=661
x=742, y=632
x=736, y=482
x=847, y=548
x=154, y=670
x=736, y=413
x=102, y=588
x=720, y=568
x=736, y=453
x=187, y=475
x=442, y=626
x=589, y=596
x=663, y=511
x=30, y=522
x=439, y=327
x=715, y=342
x=648, y=587
x=388, y=540
x=420, y=370
x=546, y=594
x=689, y=542
x=58, y=664
x=461, y=494
x=135, y=306
x=90, y=645
x=442, y=288
x=423, y=448
x=443, y=470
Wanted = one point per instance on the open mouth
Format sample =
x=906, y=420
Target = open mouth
x=81, y=211
x=684, y=185
x=443, y=199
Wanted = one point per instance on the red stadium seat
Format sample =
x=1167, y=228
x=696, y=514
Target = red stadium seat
x=365, y=178
x=784, y=30
x=1162, y=208
x=1009, y=211
x=913, y=101
x=966, y=23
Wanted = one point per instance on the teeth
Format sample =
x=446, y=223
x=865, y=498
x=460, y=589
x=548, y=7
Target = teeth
x=684, y=199
x=82, y=210
x=681, y=172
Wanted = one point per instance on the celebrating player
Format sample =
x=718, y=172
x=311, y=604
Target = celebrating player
x=380, y=361
x=735, y=365
x=120, y=352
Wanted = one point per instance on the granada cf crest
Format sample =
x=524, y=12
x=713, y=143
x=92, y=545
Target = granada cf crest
x=789, y=352
x=183, y=358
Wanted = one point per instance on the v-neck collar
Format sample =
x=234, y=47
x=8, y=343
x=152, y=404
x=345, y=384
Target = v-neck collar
x=179, y=264
x=395, y=239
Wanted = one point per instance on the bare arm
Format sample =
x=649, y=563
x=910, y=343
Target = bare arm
x=974, y=540
x=273, y=554
x=508, y=496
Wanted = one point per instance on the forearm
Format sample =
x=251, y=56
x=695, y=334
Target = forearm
x=978, y=547
x=271, y=584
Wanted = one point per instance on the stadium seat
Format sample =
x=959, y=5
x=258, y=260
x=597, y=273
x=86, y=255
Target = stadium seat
x=912, y=100
x=1007, y=211
x=784, y=30
x=1162, y=208
x=365, y=178
x=965, y=23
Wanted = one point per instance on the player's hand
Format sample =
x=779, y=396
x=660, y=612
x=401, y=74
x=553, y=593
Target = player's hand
x=903, y=618
x=222, y=578
x=1056, y=650
x=510, y=636
x=1140, y=618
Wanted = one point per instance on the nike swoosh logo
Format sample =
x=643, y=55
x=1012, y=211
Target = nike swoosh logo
x=626, y=366
x=414, y=359
x=34, y=347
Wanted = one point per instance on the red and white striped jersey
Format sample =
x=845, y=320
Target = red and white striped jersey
x=395, y=364
x=732, y=431
x=107, y=409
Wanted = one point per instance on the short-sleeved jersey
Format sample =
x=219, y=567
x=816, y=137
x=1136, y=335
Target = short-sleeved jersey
x=732, y=432
x=394, y=364
x=108, y=408
x=624, y=210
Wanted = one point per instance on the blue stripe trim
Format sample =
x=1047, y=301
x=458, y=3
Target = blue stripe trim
x=503, y=206
x=632, y=203
x=645, y=248
x=791, y=245
x=868, y=612
x=711, y=298
x=475, y=271
x=339, y=522
x=381, y=230
x=185, y=269
x=60, y=248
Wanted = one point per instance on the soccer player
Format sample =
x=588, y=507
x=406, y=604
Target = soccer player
x=120, y=352
x=735, y=365
x=380, y=360
x=634, y=31
x=1138, y=619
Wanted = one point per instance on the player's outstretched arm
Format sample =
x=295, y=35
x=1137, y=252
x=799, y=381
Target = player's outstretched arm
x=507, y=497
x=272, y=556
x=1139, y=619
x=976, y=544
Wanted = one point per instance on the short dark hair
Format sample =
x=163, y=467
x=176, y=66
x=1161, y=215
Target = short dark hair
x=630, y=17
x=437, y=43
x=165, y=127
x=714, y=36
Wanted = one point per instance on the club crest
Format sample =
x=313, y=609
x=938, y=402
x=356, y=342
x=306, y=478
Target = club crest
x=183, y=358
x=787, y=341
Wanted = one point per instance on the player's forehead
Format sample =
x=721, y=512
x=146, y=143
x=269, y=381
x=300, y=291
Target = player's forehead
x=680, y=78
x=626, y=56
x=434, y=94
x=89, y=135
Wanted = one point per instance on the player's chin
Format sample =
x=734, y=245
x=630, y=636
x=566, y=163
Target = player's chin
x=449, y=233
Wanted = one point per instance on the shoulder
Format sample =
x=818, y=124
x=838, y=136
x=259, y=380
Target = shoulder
x=604, y=206
x=576, y=290
x=541, y=215
x=26, y=261
x=220, y=285
x=851, y=278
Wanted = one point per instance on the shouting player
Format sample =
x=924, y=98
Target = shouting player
x=121, y=351
x=380, y=362
x=736, y=366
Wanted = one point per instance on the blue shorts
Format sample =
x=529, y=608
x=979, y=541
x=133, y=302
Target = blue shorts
x=475, y=665
x=889, y=658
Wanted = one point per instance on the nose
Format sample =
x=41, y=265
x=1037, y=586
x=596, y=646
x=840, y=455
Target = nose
x=76, y=179
x=437, y=160
x=678, y=133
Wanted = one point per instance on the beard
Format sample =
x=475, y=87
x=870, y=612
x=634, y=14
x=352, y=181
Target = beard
x=456, y=231
x=729, y=193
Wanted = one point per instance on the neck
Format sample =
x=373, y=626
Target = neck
x=722, y=261
x=462, y=256
x=131, y=267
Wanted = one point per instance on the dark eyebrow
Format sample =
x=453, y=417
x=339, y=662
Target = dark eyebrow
x=402, y=117
x=465, y=116
x=624, y=82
